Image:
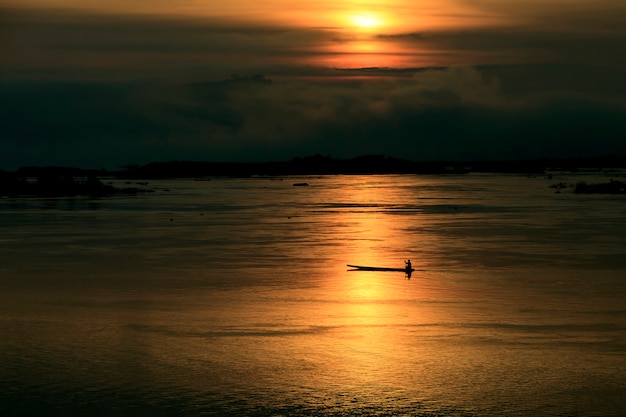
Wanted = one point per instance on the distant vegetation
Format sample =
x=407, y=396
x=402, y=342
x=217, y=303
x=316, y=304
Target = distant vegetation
x=366, y=164
x=312, y=165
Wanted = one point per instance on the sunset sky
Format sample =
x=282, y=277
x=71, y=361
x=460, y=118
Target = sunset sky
x=106, y=83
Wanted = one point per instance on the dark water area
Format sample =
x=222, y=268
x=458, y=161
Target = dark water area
x=232, y=297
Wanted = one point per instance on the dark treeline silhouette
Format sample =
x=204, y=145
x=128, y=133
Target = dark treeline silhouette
x=312, y=165
x=366, y=164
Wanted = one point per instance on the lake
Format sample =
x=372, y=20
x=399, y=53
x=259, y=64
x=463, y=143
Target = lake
x=232, y=297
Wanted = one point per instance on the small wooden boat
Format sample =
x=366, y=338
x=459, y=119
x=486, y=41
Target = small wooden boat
x=375, y=268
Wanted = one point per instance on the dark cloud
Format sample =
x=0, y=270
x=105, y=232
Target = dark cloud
x=56, y=44
x=532, y=32
x=402, y=36
x=506, y=45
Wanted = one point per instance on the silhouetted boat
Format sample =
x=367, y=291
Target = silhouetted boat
x=375, y=268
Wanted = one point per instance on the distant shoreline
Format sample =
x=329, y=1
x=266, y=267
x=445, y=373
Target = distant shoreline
x=322, y=165
x=69, y=182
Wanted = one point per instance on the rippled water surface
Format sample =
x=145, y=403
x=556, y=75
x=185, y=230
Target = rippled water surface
x=232, y=297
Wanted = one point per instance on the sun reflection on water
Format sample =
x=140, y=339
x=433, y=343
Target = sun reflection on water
x=367, y=308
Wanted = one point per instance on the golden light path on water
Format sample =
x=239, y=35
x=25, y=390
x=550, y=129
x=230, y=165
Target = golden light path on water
x=342, y=338
x=363, y=312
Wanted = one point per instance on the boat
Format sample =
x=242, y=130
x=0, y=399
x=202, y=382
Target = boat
x=375, y=268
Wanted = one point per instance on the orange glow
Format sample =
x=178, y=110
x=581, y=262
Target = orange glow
x=392, y=16
x=321, y=33
x=362, y=53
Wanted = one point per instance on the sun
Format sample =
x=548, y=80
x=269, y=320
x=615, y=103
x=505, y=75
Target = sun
x=365, y=21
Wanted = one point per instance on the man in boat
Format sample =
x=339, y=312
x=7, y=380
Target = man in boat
x=408, y=265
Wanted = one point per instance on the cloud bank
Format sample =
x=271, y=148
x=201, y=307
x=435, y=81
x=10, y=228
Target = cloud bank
x=445, y=114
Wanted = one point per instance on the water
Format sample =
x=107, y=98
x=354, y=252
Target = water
x=232, y=297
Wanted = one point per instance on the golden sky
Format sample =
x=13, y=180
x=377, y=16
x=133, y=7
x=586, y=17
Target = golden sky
x=389, y=15
x=324, y=12
x=344, y=34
